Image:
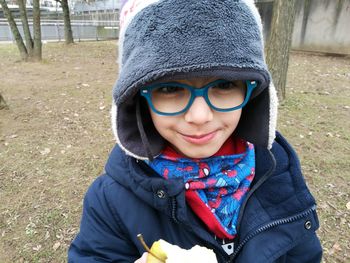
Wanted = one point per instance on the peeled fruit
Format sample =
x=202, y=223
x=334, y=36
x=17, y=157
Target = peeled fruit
x=168, y=253
x=158, y=251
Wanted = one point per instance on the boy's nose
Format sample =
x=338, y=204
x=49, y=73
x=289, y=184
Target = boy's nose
x=199, y=112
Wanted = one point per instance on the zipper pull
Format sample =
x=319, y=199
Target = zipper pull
x=228, y=248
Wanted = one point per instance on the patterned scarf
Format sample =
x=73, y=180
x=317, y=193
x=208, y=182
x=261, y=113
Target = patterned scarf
x=215, y=186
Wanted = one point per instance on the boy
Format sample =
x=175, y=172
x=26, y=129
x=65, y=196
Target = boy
x=197, y=160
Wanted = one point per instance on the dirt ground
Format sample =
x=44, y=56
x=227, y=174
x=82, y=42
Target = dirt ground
x=56, y=136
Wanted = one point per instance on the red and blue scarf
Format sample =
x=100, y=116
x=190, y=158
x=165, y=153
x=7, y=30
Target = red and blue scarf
x=215, y=186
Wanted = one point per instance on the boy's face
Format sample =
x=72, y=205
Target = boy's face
x=201, y=131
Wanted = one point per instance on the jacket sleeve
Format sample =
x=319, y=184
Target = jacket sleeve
x=307, y=251
x=100, y=238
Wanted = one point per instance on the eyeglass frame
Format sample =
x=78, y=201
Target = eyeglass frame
x=196, y=92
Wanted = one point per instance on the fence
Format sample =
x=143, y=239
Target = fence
x=54, y=30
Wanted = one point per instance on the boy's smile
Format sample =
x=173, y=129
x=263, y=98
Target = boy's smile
x=199, y=139
x=200, y=131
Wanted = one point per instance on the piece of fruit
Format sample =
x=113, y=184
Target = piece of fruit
x=166, y=252
x=156, y=250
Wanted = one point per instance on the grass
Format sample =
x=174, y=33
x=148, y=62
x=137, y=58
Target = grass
x=54, y=140
x=56, y=137
x=315, y=118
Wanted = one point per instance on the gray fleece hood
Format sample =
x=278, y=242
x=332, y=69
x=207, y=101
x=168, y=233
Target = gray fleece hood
x=173, y=39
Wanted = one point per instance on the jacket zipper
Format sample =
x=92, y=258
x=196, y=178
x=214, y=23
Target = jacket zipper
x=271, y=225
x=255, y=187
x=173, y=216
x=173, y=210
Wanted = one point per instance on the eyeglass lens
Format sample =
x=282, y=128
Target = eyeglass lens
x=171, y=98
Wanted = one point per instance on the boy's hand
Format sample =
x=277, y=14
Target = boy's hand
x=142, y=259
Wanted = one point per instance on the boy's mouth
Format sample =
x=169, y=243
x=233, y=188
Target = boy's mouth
x=199, y=139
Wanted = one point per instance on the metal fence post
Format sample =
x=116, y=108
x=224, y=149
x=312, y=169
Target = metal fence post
x=58, y=31
x=11, y=36
x=79, y=31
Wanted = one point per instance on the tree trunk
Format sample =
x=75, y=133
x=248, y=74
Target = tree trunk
x=26, y=30
x=19, y=40
x=3, y=104
x=278, y=45
x=68, y=33
x=37, y=53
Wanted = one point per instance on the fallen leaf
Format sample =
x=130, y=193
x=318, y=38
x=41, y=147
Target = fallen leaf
x=348, y=205
x=45, y=151
x=337, y=247
x=56, y=245
x=37, y=248
x=323, y=206
x=329, y=134
x=342, y=221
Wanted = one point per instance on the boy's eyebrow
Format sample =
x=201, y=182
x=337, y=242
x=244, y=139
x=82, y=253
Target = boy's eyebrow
x=205, y=80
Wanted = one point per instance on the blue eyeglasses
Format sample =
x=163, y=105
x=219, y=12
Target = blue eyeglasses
x=172, y=98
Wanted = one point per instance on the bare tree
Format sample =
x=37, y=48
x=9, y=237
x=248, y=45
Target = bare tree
x=18, y=38
x=68, y=33
x=32, y=49
x=37, y=53
x=279, y=42
x=25, y=25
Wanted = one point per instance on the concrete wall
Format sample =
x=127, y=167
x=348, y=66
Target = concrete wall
x=320, y=25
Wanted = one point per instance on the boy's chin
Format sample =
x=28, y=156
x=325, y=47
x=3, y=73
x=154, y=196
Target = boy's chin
x=199, y=153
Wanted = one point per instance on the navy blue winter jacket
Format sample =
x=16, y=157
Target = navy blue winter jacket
x=277, y=222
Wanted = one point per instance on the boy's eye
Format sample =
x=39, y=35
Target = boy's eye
x=225, y=86
x=168, y=90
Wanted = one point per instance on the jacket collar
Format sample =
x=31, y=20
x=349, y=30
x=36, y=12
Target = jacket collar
x=144, y=182
x=284, y=192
